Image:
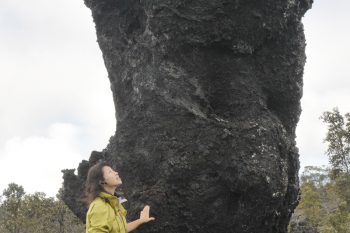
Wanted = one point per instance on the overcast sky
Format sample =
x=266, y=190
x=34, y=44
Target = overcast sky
x=55, y=99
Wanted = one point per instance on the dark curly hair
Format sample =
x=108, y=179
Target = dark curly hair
x=93, y=184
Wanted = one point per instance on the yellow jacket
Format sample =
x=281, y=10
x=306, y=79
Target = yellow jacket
x=106, y=215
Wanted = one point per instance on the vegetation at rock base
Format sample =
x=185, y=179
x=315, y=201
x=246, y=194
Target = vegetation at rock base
x=324, y=205
x=35, y=213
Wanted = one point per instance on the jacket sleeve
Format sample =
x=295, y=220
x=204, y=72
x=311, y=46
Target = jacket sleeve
x=98, y=220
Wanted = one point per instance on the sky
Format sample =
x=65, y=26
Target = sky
x=55, y=99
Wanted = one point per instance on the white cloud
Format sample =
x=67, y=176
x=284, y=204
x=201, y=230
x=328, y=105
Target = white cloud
x=326, y=78
x=51, y=71
x=36, y=162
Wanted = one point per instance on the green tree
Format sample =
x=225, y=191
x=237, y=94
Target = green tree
x=12, y=219
x=337, y=218
x=338, y=139
x=321, y=208
x=35, y=213
x=37, y=209
x=47, y=215
x=318, y=176
x=325, y=193
x=310, y=204
x=340, y=221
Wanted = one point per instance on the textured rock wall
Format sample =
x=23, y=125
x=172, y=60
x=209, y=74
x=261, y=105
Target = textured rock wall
x=207, y=96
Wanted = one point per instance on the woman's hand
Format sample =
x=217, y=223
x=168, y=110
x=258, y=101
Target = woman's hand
x=144, y=215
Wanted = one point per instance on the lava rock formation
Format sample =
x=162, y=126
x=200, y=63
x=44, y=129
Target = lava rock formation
x=207, y=97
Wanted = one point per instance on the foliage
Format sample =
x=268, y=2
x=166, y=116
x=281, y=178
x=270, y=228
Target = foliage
x=315, y=175
x=35, y=213
x=322, y=203
x=12, y=218
x=311, y=204
x=338, y=139
x=325, y=192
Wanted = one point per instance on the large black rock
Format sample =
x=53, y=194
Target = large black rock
x=207, y=96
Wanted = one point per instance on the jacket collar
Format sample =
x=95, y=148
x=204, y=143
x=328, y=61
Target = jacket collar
x=113, y=200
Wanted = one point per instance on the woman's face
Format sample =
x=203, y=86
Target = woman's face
x=111, y=177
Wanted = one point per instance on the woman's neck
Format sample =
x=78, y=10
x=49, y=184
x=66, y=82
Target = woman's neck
x=109, y=189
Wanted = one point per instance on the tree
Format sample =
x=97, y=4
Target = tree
x=325, y=192
x=12, y=219
x=316, y=175
x=310, y=204
x=321, y=208
x=37, y=209
x=47, y=215
x=340, y=220
x=35, y=213
x=338, y=139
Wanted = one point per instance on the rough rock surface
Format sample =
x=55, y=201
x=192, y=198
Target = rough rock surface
x=207, y=96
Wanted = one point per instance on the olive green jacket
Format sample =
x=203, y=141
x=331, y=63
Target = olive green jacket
x=106, y=214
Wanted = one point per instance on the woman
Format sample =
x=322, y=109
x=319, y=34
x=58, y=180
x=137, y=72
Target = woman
x=106, y=214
